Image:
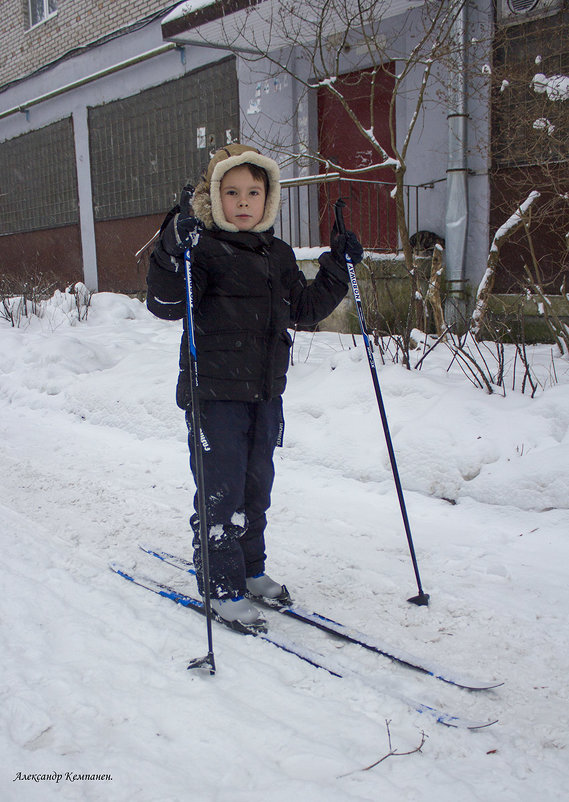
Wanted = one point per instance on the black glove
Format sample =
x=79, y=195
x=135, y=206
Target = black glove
x=345, y=244
x=188, y=226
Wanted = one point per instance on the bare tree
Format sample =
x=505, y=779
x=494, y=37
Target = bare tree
x=316, y=43
x=530, y=122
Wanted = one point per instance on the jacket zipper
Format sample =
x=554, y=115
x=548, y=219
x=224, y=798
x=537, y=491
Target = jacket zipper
x=271, y=334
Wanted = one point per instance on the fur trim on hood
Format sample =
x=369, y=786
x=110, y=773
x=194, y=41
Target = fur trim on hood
x=207, y=199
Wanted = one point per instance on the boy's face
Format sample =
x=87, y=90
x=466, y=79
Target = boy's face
x=242, y=198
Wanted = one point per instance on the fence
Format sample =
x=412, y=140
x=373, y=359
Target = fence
x=307, y=211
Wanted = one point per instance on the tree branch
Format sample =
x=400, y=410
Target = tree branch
x=392, y=753
x=514, y=222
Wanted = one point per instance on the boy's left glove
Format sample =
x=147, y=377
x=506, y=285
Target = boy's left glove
x=345, y=244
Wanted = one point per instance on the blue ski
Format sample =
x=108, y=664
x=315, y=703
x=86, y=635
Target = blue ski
x=347, y=633
x=306, y=655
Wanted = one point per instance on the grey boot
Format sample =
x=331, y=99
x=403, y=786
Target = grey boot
x=263, y=585
x=238, y=609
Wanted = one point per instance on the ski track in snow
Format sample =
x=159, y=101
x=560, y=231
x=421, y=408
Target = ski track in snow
x=94, y=462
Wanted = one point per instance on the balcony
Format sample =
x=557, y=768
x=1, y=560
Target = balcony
x=307, y=211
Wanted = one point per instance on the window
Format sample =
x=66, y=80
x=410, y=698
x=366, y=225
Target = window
x=41, y=191
x=141, y=145
x=530, y=126
x=40, y=10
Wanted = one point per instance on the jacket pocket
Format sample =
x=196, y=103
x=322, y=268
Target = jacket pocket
x=226, y=341
x=282, y=355
x=183, y=390
x=231, y=356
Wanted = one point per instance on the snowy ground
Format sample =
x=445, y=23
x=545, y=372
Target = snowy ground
x=94, y=679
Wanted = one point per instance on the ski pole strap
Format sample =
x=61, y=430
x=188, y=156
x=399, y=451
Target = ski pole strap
x=339, y=215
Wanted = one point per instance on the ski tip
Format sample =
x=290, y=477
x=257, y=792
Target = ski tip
x=456, y=722
x=482, y=725
x=473, y=686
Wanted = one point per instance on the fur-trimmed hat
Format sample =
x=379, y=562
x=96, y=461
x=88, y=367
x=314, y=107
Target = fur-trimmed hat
x=207, y=199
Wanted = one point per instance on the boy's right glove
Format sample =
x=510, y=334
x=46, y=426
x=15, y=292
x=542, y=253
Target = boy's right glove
x=342, y=244
x=187, y=226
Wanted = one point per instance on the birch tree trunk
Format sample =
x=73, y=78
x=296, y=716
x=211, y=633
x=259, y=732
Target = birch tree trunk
x=514, y=222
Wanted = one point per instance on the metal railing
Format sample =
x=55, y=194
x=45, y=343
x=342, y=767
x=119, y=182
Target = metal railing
x=307, y=211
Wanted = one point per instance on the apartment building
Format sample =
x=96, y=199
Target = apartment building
x=98, y=121
x=106, y=109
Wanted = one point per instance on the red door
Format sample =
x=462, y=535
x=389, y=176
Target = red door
x=371, y=209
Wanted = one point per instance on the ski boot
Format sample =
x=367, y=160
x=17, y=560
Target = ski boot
x=239, y=613
x=261, y=586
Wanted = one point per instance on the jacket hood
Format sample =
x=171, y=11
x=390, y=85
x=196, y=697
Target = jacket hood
x=207, y=198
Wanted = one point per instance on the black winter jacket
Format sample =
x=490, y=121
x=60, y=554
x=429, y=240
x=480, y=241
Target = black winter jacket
x=247, y=291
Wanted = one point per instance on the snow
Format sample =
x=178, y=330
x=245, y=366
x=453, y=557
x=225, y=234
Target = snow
x=555, y=86
x=303, y=254
x=369, y=132
x=97, y=701
x=325, y=82
x=186, y=8
x=514, y=219
x=312, y=253
x=543, y=124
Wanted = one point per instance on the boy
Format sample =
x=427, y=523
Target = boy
x=247, y=291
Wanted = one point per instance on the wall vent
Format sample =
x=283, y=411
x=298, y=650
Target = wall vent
x=512, y=12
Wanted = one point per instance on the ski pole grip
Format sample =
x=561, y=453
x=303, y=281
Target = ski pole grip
x=339, y=213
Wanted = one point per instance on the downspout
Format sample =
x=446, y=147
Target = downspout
x=27, y=104
x=456, y=217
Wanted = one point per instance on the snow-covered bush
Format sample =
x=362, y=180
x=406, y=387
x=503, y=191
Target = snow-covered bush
x=37, y=298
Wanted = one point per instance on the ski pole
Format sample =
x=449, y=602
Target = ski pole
x=422, y=599
x=208, y=659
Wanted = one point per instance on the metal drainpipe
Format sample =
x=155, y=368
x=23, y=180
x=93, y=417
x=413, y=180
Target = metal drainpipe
x=456, y=217
x=23, y=107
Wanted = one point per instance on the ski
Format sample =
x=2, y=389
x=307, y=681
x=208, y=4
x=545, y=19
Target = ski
x=302, y=653
x=347, y=633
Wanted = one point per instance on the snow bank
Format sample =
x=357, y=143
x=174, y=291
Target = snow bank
x=94, y=462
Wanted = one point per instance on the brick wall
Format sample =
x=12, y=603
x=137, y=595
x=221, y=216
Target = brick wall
x=23, y=50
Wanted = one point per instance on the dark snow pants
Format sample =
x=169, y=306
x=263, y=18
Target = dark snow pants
x=240, y=439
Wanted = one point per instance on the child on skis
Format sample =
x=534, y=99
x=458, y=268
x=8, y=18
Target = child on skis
x=247, y=291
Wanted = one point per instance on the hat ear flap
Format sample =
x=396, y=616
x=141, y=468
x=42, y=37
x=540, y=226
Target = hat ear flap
x=202, y=204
